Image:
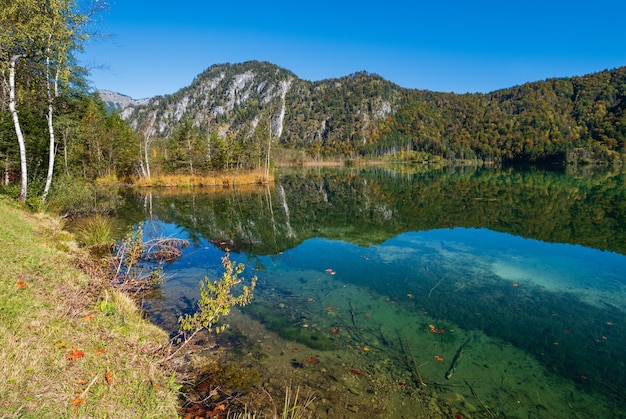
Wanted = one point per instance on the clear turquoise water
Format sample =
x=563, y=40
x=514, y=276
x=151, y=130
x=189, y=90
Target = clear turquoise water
x=545, y=320
x=560, y=307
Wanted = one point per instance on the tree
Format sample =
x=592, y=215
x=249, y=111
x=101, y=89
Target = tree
x=17, y=21
x=145, y=136
x=263, y=137
x=64, y=35
x=37, y=32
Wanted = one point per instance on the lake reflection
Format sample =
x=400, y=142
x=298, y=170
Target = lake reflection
x=389, y=274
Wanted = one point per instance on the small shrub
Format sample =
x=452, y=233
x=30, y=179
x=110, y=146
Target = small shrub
x=216, y=300
x=75, y=196
x=95, y=231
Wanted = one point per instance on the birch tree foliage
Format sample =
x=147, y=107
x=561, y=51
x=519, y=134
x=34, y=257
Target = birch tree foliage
x=40, y=34
x=64, y=36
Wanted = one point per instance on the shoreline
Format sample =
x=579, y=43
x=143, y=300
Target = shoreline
x=77, y=347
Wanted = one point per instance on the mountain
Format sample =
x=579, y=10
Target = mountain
x=231, y=99
x=117, y=102
x=578, y=119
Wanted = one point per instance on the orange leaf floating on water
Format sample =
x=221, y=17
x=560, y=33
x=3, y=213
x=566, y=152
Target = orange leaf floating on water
x=20, y=285
x=109, y=377
x=76, y=401
x=329, y=308
x=99, y=351
x=516, y=285
x=75, y=355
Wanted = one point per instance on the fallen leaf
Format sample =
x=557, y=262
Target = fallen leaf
x=61, y=345
x=99, y=351
x=76, y=401
x=75, y=355
x=89, y=317
x=109, y=377
x=20, y=285
x=81, y=382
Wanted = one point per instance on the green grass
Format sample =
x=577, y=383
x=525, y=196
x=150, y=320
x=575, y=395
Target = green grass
x=48, y=307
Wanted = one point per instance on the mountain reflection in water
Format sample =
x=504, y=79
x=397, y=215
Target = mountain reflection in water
x=530, y=259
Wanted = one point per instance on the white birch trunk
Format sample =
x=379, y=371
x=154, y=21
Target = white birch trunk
x=52, y=151
x=269, y=148
x=18, y=129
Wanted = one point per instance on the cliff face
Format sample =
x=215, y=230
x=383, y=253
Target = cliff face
x=578, y=119
x=118, y=102
x=232, y=99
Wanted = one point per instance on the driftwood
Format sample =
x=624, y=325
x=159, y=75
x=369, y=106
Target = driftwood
x=133, y=259
x=163, y=249
x=411, y=359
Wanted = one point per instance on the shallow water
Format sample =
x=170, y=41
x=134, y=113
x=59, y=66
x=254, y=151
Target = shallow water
x=351, y=275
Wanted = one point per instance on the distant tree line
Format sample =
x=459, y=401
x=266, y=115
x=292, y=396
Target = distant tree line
x=579, y=119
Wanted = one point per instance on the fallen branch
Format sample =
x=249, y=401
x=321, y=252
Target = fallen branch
x=416, y=370
x=436, y=285
x=491, y=414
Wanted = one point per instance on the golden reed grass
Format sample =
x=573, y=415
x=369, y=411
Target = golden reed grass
x=226, y=179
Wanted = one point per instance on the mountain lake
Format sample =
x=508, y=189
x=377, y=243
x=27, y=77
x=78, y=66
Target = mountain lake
x=397, y=293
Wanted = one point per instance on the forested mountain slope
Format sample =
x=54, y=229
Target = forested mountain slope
x=579, y=119
x=232, y=99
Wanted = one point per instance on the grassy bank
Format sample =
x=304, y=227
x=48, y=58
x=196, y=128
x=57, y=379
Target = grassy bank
x=69, y=345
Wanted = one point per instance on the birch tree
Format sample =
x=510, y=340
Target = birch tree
x=64, y=36
x=38, y=33
x=18, y=20
x=145, y=135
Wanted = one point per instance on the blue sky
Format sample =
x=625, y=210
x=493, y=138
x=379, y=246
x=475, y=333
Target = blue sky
x=157, y=47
